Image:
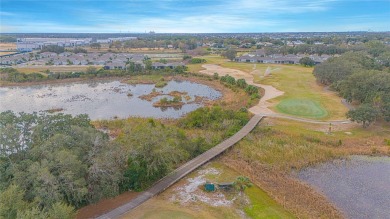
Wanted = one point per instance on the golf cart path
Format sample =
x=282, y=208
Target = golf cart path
x=270, y=92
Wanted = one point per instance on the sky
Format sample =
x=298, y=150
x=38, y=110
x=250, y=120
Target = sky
x=193, y=16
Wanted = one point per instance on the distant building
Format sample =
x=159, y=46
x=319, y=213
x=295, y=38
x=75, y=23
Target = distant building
x=172, y=65
x=260, y=57
x=121, y=39
x=26, y=47
x=29, y=44
x=103, y=41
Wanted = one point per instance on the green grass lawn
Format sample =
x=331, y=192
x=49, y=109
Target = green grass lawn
x=303, y=96
x=262, y=206
x=302, y=107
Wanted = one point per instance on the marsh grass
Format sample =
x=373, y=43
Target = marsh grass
x=145, y=79
x=286, y=151
x=161, y=83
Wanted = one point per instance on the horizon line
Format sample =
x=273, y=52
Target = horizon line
x=353, y=31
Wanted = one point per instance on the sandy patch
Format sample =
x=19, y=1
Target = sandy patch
x=269, y=91
x=190, y=192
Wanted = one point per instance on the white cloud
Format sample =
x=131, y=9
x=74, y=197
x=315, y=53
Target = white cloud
x=281, y=6
x=4, y=13
x=221, y=16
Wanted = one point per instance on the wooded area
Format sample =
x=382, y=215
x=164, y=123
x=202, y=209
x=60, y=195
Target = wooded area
x=54, y=164
x=362, y=78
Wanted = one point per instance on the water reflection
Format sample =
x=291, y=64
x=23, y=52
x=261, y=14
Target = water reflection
x=103, y=100
x=360, y=186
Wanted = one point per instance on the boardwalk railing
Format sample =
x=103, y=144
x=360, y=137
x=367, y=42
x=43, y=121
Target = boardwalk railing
x=182, y=171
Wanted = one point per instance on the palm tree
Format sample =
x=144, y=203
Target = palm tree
x=242, y=183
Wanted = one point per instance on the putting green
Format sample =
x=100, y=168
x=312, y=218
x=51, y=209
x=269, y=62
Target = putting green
x=302, y=107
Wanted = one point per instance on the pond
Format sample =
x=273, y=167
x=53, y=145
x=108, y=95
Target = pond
x=359, y=186
x=104, y=99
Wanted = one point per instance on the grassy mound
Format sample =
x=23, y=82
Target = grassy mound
x=302, y=107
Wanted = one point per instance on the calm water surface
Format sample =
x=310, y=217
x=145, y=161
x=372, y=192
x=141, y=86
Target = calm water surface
x=102, y=100
x=360, y=186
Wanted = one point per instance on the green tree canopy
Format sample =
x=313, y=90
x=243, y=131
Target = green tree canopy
x=365, y=114
x=57, y=158
x=306, y=61
x=154, y=151
x=230, y=54
x=53, y=48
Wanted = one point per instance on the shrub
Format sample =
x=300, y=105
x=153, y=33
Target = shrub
x=161, y=84
x=241, y=83
x=197, y=61
x=185, y=57
x=228, y=80
x=250, y=89
x=215, y=118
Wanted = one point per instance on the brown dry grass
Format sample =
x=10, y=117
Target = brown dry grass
x=149, y=97
x=6, y=53
x=7, y=46
x=354, y=138
x=105, y=205
x=234, y=99
x=279, y=147
x=297, y=197
x=61, y=81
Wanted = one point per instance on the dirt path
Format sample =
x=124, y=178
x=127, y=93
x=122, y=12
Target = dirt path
x=269, y=91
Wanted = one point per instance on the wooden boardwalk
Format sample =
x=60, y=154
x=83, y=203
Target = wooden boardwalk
x=182, y=171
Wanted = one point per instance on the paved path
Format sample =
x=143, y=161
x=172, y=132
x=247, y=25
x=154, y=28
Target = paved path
x=182, y=171
x=270, y=92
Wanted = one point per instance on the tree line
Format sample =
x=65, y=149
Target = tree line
x=363, y=78
x=183, y=44
x=372, y=47
x=13, y=75
x=60, y=49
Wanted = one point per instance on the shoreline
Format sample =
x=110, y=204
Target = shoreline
x=58, y=81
